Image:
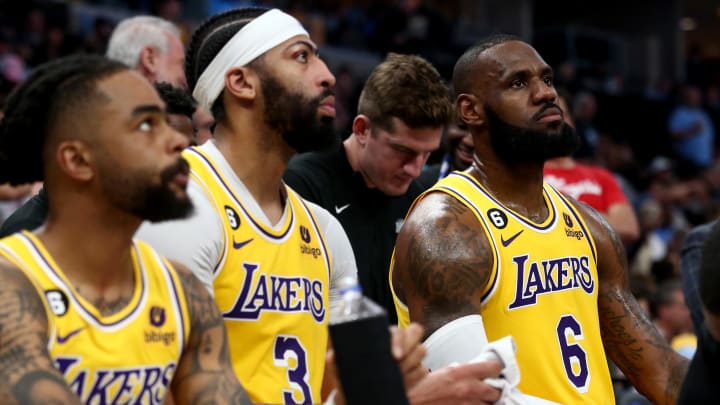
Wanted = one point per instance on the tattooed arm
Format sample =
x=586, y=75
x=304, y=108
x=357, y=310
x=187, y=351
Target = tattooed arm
x=27, y=375
x=205, y=374
x=629, y=338
x=442, y=262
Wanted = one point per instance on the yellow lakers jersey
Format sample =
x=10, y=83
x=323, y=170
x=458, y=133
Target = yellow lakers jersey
x=128, y=357
x=543, y=291
x=272, y=287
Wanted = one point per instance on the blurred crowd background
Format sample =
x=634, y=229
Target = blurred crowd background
x=636, y=72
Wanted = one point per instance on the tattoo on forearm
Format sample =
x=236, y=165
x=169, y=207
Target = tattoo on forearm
x=624, y=348
x=208, y=374
x=449, y=264
x=639, y=350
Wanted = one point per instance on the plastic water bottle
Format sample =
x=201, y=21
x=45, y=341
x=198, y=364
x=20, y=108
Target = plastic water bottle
x=359, y=330
x=353, y=305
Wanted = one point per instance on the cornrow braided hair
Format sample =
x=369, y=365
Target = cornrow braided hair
x=208, y=39
x=37, y=104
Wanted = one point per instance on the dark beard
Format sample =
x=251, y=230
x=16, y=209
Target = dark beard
x=152, y=203
x=295, y=117
x=516, y=145
x=160, y=202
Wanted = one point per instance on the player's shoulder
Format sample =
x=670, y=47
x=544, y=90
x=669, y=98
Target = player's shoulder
x=14, y=279
x=437, y=209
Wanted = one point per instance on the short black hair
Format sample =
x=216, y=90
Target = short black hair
x=53, y=92
x=709, y=277
x=177, y=100
x=663, y=296
x=208, y=39
x=464, y=71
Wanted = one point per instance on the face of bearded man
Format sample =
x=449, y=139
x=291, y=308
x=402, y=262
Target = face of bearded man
x=517, y=145
x=296, y=116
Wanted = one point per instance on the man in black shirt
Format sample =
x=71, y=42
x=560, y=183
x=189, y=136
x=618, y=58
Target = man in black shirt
x=703, y=376
x=370, y=181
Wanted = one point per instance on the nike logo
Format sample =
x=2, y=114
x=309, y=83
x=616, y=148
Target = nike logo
x=341, y=209
x=238, y=245
x=506, y=243
x=62, y=339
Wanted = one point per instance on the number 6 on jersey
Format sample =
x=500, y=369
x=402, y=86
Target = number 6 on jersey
x=574, y=357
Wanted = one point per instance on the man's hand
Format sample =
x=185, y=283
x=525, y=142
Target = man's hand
x=408, y=351
x=453, y=385
x=457, y=385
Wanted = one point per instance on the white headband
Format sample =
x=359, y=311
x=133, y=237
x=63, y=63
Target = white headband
x=257, y=37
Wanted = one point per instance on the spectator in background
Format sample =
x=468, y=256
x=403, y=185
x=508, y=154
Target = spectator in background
x=180, y=109
x=692, y=132
x=642, y=288
x=459, y=155
x=204, y=123
x=593, y=185
x=584, y=111
x=671, y=316
x=152, y=46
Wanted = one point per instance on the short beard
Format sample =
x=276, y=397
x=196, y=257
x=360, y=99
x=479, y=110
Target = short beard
x=295, y=117
x=515, y=145
x=153, y=203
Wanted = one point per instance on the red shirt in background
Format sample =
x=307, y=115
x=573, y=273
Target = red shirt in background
x=592, y=185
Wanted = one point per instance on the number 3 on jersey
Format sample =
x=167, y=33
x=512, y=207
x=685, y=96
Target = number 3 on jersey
x=574, y=357
x=287, y=348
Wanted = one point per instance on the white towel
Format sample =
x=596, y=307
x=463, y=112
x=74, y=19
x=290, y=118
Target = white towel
x=503, y=350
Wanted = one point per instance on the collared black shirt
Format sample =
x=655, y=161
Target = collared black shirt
x=370, y=218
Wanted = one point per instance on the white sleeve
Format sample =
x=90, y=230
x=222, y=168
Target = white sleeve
x=343, y=260
x=195, y=242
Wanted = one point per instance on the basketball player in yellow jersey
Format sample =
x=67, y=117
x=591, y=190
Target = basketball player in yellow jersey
x=87, y=314
x=495, y=240
x=269, y=290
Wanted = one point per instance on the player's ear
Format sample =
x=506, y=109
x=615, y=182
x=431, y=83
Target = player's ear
x=470, y=110
x=75, y=159
x=361, y=128
x=242, y=83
